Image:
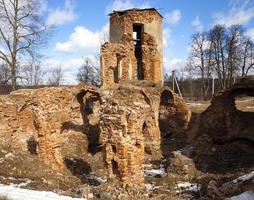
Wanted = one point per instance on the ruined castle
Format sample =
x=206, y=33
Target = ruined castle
x=123, y=119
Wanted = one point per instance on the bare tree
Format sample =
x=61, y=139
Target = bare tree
x=200, y=59
x=89, y=73
x=32, y=73
x=247, y=56
x=55, y=76
x=21, y=31
x=223, y=52
x=234, y=46
x=218, y=39
x=4, y=74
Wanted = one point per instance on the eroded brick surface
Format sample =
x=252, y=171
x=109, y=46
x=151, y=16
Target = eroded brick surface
x=223, y=120
x=124, y=117
x=43, y=120
x=119, y=60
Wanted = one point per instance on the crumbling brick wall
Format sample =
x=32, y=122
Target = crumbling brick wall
x=118, y=57
x=223, y=121
x=126, y=114
x=124, y=121
x=46, y=119
x=130, y=127
x=174, y=114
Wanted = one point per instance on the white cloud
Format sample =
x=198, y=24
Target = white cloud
x=196, y=23
x=61, y=16
x=69, y=67
x=173, y=17
x=42, y=6
x=241, y=12
x=167, y=37
x=124, y=5
x=250, y=33
x=83, y=39
x=177, y=63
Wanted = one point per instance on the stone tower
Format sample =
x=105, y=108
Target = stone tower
x=135, y=49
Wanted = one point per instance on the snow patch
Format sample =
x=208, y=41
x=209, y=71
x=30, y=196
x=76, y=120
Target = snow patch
x=186, y=186
x=149, y=186
x=96, y=178
x=244, y=178
x=249, y=195
x=24, y=183
x=156, y=172
x=15, y=193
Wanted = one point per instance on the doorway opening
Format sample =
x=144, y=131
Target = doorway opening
x=137, y=39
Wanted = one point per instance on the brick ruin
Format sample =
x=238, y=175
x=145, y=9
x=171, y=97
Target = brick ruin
x=57, y=123
x=131, y=117
x=134, y=50
x=125, y=116
x=223, y=120
x=132, y=72
x=36, y=121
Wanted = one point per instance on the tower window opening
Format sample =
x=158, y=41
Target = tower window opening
x=137, y=39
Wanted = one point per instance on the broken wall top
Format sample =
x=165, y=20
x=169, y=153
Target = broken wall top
x=135, y=9
x=121, y=25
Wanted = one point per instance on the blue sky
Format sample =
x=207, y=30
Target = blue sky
x=82, y=26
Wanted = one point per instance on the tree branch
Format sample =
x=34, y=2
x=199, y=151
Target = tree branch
x=6, y=12
x=5, y=40
x=4, y=57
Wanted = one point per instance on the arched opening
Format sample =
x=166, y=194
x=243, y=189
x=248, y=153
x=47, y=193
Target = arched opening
x=115, y=168
x=242, y=99
x=144, y=126
x=89, y=106
x=239, y=114
x=89, y=103
x=114, y=148
x=32, y=145
x=116, y=74
x=244, y=103
x=166, y=98
x=147, y=137
x=137, y=40
x=167, y=122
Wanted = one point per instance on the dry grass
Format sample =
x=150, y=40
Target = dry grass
x=245, y=104
x=199, y=106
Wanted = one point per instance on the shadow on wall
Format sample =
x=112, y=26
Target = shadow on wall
x=77, y=166
x=32, y=145
x=91, y=131
x=226, y=140
x=82, y=170
x=172, y=136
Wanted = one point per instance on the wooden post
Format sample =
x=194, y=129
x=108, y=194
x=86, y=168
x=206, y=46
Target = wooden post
x=173, y=80
x=179, y=91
